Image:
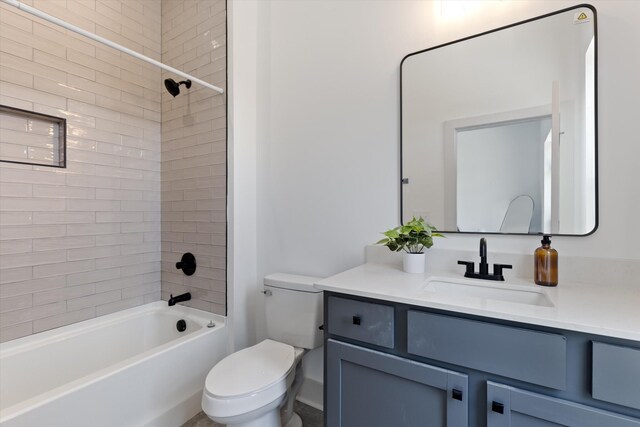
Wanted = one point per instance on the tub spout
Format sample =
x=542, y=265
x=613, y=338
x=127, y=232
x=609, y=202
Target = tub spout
x=179, y=298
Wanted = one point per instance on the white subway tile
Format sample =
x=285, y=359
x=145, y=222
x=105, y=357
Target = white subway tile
x=66, y=242
x=118, y=283
x=119, y=261
x=15, y=303
x=93, y=181
x=63, y=217
x=136, y=269
x=92, y=229
x=34, y=69
x=93, y=205
x=13, y=332
x=61, y=64
x=31, y=231
x=63, y=319
x=31, y=177
x=106, y=217
x=108, y=308
x=113, y=194
x=30, y=286
x=93, y=110
x=119, y=239
x=32, y=313
x=15, y=218
x=15, y=204
x=63, y=192
x=94, y=300
x=140, y=290
x=93, y=253
x=61, y=268
x=62, y=294
x=152, y=247
x=31, y=259
x=15, y=246
x=137, y=227
x=93, y=276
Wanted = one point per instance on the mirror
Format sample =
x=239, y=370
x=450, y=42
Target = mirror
x=499, y=129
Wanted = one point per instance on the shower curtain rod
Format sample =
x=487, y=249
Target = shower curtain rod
x=68, y=26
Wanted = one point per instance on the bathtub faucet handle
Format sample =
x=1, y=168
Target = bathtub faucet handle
x=187, y=264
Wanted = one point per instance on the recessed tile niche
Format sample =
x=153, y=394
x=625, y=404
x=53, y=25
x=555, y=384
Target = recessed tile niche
x=27, y=137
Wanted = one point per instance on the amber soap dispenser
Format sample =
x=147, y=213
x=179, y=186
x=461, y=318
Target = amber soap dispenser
x=546, y=264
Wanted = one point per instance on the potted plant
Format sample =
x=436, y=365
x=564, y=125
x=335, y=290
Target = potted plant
x=412, y=238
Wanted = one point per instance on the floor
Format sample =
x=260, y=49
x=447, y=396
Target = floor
x=311, y=417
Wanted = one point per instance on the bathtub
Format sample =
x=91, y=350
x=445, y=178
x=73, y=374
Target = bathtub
x=131, y=368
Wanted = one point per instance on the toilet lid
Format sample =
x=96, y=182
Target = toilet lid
x=250, y=370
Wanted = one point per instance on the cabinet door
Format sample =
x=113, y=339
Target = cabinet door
x=367, y=388
x=511, y=407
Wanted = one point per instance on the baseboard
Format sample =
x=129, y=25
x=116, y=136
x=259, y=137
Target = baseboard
x=311, y=393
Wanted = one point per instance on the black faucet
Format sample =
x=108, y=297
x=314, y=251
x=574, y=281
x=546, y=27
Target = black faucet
x=179, y=298
x=483, y=273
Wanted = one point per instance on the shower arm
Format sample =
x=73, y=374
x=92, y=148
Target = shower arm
x=107, y=42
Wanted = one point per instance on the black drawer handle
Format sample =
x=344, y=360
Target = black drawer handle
x=497, y=407
x=356, y=320
x=456, y=394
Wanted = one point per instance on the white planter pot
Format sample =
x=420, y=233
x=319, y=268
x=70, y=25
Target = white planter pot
x=413, y=263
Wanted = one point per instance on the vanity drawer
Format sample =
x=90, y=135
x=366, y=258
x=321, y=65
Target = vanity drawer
x=530, y=356
x=362, y=321
x=616, y=374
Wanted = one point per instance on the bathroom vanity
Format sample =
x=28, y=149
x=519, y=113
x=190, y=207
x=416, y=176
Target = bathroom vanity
x=398, y=353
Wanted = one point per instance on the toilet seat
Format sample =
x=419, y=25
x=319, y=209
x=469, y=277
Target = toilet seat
x=249, y=379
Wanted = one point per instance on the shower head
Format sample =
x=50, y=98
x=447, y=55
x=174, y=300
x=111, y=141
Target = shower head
x=174, y=88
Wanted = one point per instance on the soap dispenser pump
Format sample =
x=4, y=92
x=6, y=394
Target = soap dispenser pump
x=546, y=264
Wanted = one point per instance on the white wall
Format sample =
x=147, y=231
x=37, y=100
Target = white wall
x=242, y=278
x=328, y=123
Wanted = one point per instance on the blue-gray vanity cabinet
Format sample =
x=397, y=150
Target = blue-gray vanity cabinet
x=368, y=322
x=616, y=374
x=368, y=388
x=518, y=353
x=512, y=407
x=386, y=364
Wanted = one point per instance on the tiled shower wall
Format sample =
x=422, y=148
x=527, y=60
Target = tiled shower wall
x=194, y=152
x=83, y=241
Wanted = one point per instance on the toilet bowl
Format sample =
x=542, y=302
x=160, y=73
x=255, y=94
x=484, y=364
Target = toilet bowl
x=256, y=386
x=248, y=387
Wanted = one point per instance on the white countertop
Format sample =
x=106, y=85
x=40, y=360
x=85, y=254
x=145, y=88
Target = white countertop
x=608, y=310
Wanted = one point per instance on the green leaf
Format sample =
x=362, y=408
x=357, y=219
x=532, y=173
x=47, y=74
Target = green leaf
x=414, y=236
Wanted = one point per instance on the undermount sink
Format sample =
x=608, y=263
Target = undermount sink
x=489, y=291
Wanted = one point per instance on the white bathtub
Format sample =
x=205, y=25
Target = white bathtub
x=131, y=368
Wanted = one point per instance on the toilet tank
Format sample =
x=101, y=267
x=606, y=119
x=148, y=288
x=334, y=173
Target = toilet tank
x=293, y=309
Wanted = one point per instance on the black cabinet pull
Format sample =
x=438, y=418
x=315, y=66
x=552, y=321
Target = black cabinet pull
x=456, y=394
x=356, y=320
x=497, y=407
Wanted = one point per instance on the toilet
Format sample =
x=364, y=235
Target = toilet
x=257, y=386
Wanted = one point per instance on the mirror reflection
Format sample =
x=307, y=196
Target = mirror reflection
x=499, y=130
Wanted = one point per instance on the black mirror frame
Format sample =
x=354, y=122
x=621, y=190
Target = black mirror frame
x=595, y=35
